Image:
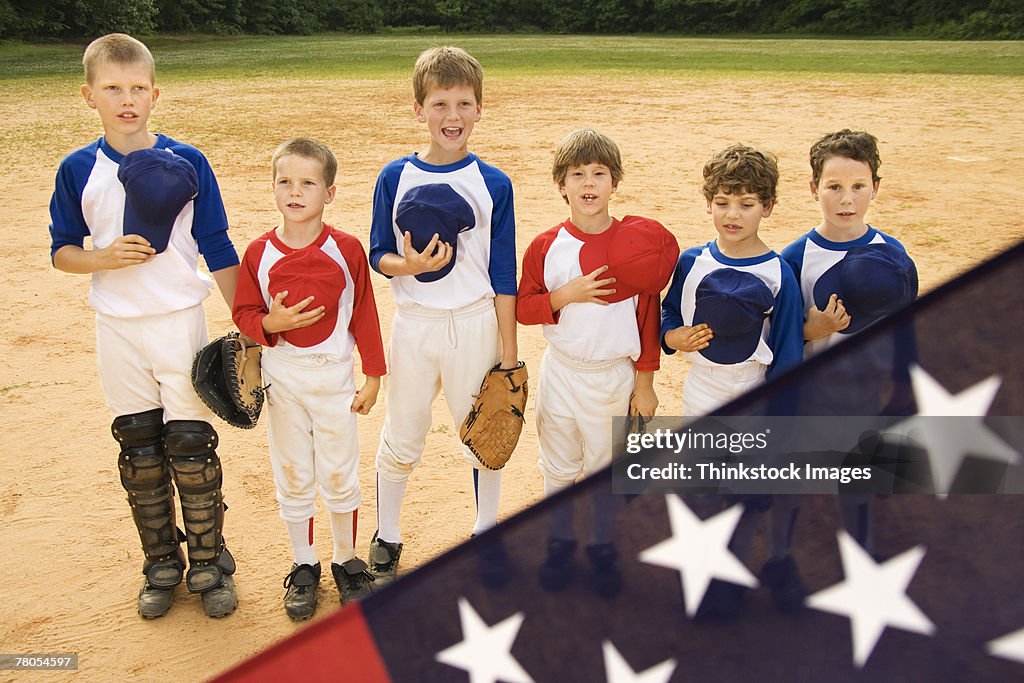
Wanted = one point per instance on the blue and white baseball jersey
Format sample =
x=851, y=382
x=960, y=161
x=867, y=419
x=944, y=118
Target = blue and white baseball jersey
x=781, y=343
x=810, y=256
x=88, y=200
x=486, y=259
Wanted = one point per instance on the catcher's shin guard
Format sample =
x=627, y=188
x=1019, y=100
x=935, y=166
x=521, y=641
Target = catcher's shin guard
x=190, y=446
x=145, y=477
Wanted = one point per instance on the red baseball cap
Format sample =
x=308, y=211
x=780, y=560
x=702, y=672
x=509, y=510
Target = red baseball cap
x=640, y=254
x=304, y=273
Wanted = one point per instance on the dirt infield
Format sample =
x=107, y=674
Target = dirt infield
x=952, y=149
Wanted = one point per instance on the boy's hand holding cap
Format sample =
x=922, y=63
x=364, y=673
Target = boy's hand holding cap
x=431, y=209
x=873, y=281
x=305, y=273
x=734, y=304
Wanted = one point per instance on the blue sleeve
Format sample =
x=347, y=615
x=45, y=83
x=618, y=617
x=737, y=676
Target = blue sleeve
x=893, y=241
x=382, y=231
x=209, y=219
x=785, y=337
x=794, y=256
x=67, y=223
x=502, y=266
x=671, y=315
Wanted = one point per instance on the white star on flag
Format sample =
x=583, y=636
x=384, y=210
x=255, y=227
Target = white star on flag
x=1010, y=646
x=618, y=670
x=699, y=551
x=949, y=442
x=873, y=596
x=485, y=651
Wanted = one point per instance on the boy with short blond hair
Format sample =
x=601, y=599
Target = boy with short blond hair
x=151, y=206
x=736, y=284
x=443, y=232
x=305, y=294
x=600, y=319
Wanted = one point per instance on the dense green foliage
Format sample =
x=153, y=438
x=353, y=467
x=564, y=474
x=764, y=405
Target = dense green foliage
x=83, y=19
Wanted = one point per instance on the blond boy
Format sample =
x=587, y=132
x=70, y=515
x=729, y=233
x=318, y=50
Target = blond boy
x=443, y=232
x=150, y=206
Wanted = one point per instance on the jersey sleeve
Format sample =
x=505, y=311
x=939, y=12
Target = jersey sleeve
x=67, y=222
x=209, y=219
x=533, y=304
x=671, y=315
x=250, y=306
x=785, y=337
x=647, y=322
x=365, y=323
x=382, y=232
x=502, y=266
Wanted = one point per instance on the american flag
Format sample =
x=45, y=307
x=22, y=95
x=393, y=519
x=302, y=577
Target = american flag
x=941, y=598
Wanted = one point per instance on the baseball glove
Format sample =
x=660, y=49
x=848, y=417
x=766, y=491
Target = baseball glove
x=492, y=428
x=226, y=375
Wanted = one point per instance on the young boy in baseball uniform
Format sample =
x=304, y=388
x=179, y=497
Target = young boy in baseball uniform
x=150, y=206
x=850, y=275
x=602, y=336
x=734, y=308
x=443, y=232
x=735, y=283
x=305, y=294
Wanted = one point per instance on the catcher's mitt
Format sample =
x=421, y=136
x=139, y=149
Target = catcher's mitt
x=226, y=375
x=492, y=428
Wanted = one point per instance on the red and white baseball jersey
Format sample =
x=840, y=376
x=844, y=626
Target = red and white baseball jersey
x=585, y=331
x=357, y=324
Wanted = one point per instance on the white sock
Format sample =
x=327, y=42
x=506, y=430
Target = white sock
x=303, y=547
x=560, y=520
x=343, y=528
x=488, y=490
x=389, y=506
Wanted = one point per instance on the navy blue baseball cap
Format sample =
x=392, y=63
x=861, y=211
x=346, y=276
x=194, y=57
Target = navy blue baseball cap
x=434, y=208
x=157, y=185
x=873, y=281
x=734, y=304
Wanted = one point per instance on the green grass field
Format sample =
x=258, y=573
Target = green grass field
x=388, y=55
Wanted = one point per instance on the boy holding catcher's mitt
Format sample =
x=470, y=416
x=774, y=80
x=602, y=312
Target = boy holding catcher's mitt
x=443, y=232
x=305, y=294
x=593, y=282
x=151, y=206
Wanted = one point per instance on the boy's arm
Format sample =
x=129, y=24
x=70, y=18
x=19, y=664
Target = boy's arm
x=365, y=322
x=533, y=304
x=644, y=400
x=505, y=309
x=675, y=336
x=227, y=283
x=248, y=305
x=127, y=250
x=364, y=326
x=785, y=336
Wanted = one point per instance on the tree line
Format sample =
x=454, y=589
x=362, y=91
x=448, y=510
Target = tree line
x=85, y=19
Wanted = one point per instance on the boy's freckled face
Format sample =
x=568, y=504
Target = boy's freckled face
x=300, y=190
x=123, y=95
x=450, y=114
x=737, y=216
x=589, y=189
x=844, y=191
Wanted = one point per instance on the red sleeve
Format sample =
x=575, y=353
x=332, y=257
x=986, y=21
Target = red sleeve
x=250, y=307
x=648, y=321
x=533, y=304
x=365, y=324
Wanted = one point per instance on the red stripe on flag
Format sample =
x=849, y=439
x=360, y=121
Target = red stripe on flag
x=337, y=648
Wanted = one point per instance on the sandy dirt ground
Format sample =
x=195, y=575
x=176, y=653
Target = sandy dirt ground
x=952, y=149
